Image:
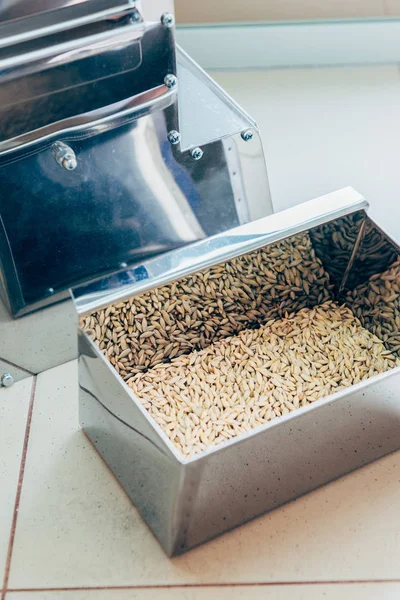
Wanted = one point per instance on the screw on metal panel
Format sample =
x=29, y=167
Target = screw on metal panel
x=167, y=19
x=50, y=290
x=170, y=80
x=64, y=156
x=247, y=135
x=174, y=137
x=7, y=380
x=123, y=265
x=196, y=153
x=135, y=17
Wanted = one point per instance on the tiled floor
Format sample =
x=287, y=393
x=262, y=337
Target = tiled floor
x=67, y=529
x=76, y=528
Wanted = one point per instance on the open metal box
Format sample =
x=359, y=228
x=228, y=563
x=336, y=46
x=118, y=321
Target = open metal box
x=187, y=501
x=114, y=147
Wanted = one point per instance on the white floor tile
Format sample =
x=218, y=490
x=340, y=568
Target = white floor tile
x=14, y=404
x=77, y=528
x=367, y=591
x=324, y=129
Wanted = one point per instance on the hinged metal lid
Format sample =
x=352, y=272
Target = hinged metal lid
x=59, y=60
x=218, y=249
x=27, y=19
x=119, y=190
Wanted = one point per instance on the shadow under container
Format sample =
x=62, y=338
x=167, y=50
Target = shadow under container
x=187, y=501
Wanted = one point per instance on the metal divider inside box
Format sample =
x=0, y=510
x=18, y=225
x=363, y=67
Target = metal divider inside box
x=188, y=499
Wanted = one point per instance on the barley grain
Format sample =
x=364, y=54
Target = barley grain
x=221, y=301
x=226, y=393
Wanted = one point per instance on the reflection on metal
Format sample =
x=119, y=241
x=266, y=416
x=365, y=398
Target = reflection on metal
x=335, y=243
x=218, y=249
x=375, y=254
x=93, y=88
x=187, y=501
x=206, y=112
x=132, y=196
x=352, y=249
x=69, y=67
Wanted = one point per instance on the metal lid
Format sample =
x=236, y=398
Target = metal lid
x=121, y=189
x=27, y=19
x=67, y=58
x=218, y=249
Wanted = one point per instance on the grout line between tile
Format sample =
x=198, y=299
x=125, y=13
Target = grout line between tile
x=205, y=585
x=19, y=488
x=9, y=362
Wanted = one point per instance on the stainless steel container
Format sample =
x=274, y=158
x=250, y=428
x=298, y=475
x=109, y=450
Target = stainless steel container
x=187, y=501
x=114, y=147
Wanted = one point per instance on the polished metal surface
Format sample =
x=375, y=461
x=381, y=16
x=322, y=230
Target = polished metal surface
x=218, y=249
x=24, y=10
x=188, y=501
x=206, y=111
x=73, y=67
x=92, y=87
x=131, y=196
x=186, y=504
x=32, y=20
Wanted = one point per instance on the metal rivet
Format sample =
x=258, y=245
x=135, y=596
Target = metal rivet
x=167, y=19
x=196, y=153
x=123, y=265
x=174, y=137
x=64, y=156
x=247, y=135
x=50, y=290
x=170, y=80
x=7, y=380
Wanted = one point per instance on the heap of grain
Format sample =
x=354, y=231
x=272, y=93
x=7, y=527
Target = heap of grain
x=195, y=311
x=238, y=383
x=232, y=347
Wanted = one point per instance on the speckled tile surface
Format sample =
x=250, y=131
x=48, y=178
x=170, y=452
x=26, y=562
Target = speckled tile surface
x=366, y=591
x=77, y=528
x=14, y=405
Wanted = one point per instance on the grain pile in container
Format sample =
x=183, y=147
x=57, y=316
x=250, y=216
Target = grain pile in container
x=251, y=372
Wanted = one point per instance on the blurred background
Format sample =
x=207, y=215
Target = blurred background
x=222, y=11
x=322, y=80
